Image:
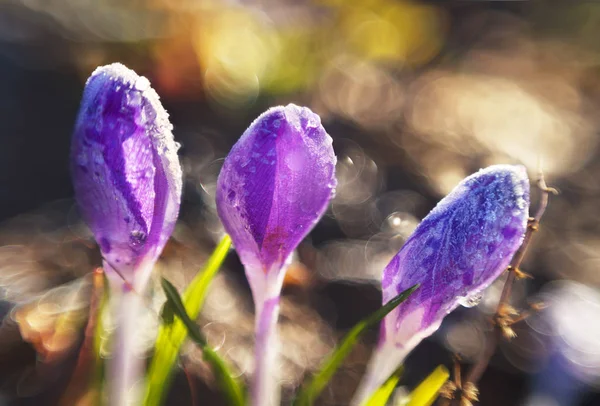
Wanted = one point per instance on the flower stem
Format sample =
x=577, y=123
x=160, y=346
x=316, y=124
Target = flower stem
x=125, y=367
x=264, y=391
x=384, y=361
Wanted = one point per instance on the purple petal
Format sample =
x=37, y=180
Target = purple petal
x=457, y=251
x=275, y=184
x=125, y=168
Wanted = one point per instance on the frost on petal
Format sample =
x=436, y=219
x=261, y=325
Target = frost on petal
x=125, y=169
x=275, y=184
x=458, y=250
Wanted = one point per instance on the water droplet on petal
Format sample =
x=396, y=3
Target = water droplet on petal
x=292, y=197
x=294, y=162
x=98, y=158
x=470, y=301
x=81, y=159
x=231, y=196
x=137, y=239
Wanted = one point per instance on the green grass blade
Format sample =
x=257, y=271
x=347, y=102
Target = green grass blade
x=176, y=307
x=229, y=385
x=382, y=395
x=314, y=388
x=172, y=335
x=427, y=391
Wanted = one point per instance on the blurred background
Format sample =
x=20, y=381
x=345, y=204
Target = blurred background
x=416, y=95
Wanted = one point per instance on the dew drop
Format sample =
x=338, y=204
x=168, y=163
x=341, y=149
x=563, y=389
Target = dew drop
x=305, y=207
x=125, y=127
x=137, y=238
x=470, y=301
x=231, y=196
x=294, y=162
x=148, y=173
x=105, y=245
x=82, y=159
x=141, y=118
x=292, y=197
x=134, y=99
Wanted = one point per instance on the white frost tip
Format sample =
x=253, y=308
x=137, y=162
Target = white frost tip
x=116, y=71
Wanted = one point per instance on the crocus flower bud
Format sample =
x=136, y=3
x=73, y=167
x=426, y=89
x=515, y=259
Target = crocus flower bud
x=456, y=252
x=125, y=169
x=274, y=186
x=127, y=181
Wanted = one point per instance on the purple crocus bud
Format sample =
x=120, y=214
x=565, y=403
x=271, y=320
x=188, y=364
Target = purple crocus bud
x=125, y=169
x=274, y=186
x=127, y=181
x=456, y=252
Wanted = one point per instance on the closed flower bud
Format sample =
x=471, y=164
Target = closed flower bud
x=456, y=252
x=125, y=170
x=274, y=186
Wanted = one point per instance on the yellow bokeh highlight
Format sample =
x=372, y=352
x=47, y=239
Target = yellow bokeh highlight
x=235, y=48
x=394, y=31
x=297, y=63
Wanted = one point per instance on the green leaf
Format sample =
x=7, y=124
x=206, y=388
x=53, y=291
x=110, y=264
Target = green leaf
x=427, y=391
x=167, y=315
x=229, y=385
x=313, y=389
x=177, y=307
x=381, y=395
x=171, y=336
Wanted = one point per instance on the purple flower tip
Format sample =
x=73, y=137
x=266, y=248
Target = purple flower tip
x=275, y=184
x=457, y=251
x=125, y=169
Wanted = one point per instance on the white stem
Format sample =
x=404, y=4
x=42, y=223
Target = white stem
x=384, y=361
x=266, y=291
x=264, y=390
x=126, y=366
